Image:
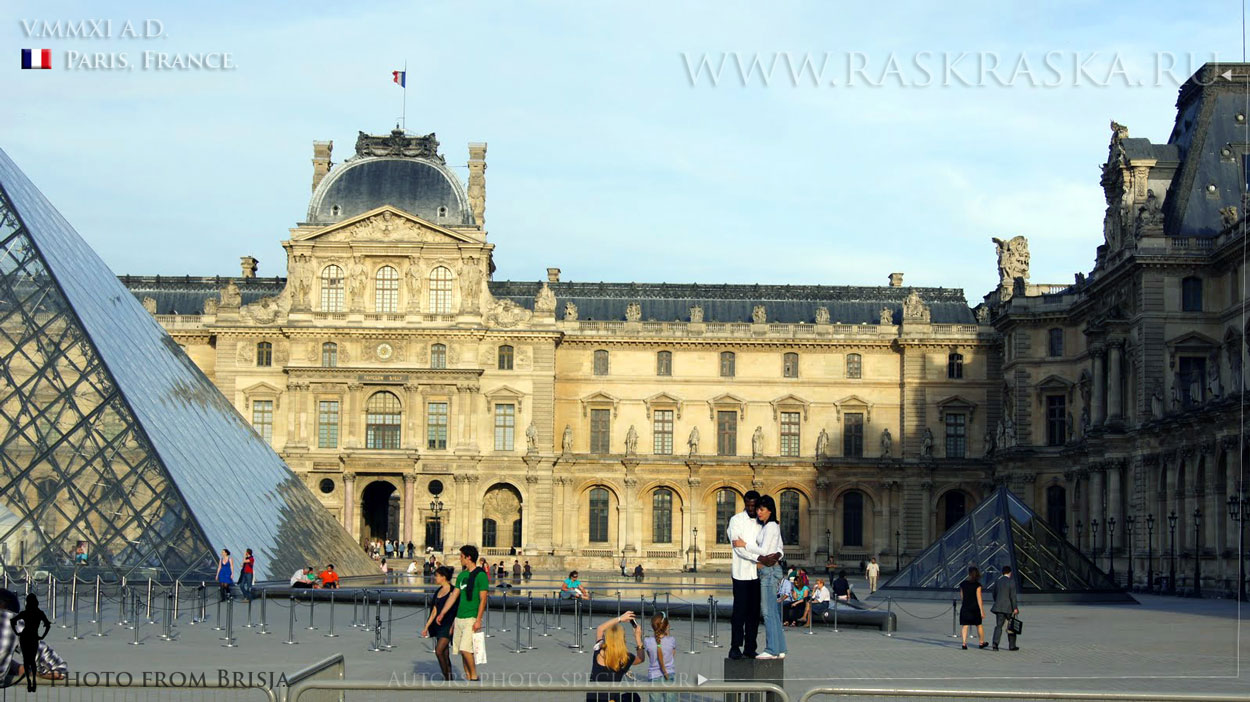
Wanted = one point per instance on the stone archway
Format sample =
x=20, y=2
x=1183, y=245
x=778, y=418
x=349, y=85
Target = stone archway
x=501, y=517
x=380, y=511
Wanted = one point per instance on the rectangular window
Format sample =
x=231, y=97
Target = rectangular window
x=1054, y=343
x=956, y=435
x=1191, y=294
x=436, y=426
x=505, y=427
x=328, y=424
x=598, y=531
x=664, y=363
x=853, y=435
x=1056, y=420
x=727, y=364
x=662, y=429
x=727, y=433
x=601, y=362
x=262, y=418
x=789, y=433
x=790, y=365
x=600, y=431
x=505, y=358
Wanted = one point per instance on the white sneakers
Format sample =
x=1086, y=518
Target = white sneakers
x=768, y=656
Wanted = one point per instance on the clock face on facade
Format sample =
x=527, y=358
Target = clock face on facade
x=385, y=351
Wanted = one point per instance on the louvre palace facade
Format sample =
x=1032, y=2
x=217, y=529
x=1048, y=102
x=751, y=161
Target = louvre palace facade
x=576, y=422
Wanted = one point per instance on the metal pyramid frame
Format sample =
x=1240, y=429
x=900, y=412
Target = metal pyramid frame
x=1003, y=530
x=117, y=455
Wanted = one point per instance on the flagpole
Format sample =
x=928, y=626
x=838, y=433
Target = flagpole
x=403, y=118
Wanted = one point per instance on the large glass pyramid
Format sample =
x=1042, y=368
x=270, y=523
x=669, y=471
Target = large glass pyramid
x=117, y=455
x=1000, y=531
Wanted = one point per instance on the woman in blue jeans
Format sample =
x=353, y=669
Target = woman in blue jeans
x=769, y=542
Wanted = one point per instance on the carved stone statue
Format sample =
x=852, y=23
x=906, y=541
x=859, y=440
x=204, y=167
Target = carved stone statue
x=914, y=309
x=1214, y=386
x=570, y=312
x=230, y=295
x=822, y=444
x=987, y=444
x=1156, y=404
x=356, y=282
x=633, y=312
x=470, y=284
x=887, y=443
x=302, y=288
x=1013, y=262
x=1176, y=393
x=822, y=315
x=693, y=441
x=631, y=441
x=506, y=313
x=414, y=286
x=531, y=438
x=1195, y=389
x=1150, y=214
x=887, y=317
x=566, y=442
x=926, y=444
x=545, y=301
x=149, y=305
x=1228, y=216
x=982, y=313
x=1234, y=364
x=759, y=314
x=1000, y=440
x=696, y=314
x=1009, y=433
x=757, y=442
x=210, y=305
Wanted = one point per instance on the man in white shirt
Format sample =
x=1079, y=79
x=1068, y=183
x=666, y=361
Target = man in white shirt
x=746, y=586
x=872, y=571
x=820, y=599
x=300, y=577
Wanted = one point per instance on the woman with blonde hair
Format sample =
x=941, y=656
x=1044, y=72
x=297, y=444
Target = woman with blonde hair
x=661, y=652
x=612, y=659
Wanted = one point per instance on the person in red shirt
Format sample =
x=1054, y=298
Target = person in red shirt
x=246, y=575
x=329, y=578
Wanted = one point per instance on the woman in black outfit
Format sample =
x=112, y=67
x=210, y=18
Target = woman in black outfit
x=613, y=660
x=972, y=611
x=442, y=617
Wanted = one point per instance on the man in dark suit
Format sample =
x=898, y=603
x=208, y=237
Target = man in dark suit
x=1005, y=607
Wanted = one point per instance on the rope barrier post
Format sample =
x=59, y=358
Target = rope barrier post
x=230, y=641
x=122, y=619
x=249, y=624
x=355, y=613
x=331, y=634
x=195, y=609
x=618, y=603
x=95, y=608
x=177, y=597
x=954, y=619
x=709, y=619
x=148, y=613
x=558, y=606
x=715, y=615
x=51, y=598
x=264, y=621
x=810, y=617
x=590, y=609
x=98, y=617
x=545, y=631
x=74, y=606
x=390, y=620
x=577, y=626
x=65, y=605
x=377, y=626
x=168, y=633
x=889, y=616
x=503, y=618
x=667, y=597
x=312, y=601
x=290, y=629
x=217, y=619
x=694, y=651
x=517, y=648
x=138, y=621
x=835, y=615
x=529, y=638
x=203, y=601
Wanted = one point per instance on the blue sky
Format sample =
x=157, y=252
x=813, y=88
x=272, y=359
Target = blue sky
x=605, y=159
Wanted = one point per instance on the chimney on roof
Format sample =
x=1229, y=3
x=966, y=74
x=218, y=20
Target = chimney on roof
x=896, y=280
x=553, y=275
x=477, y=181
x=249, y=264
x=321, y=160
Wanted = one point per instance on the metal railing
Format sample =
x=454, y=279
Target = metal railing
x=744, y=691
x=97, y=689
x=333, y=668
x=1075, y=696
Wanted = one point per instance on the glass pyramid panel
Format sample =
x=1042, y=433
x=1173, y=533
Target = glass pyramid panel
x=1000, y=531
x=117, y=455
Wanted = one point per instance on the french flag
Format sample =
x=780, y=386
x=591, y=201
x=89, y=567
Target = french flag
x=36, y=58
x=400, y=77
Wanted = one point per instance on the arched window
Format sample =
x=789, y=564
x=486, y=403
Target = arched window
x=438, y=356
x=728, y=364
x=490, y=534
x=516, y=533
x=332, y=289
x=790, y=365
x=664, y=363
x=264, y=354
x=853, y=518
x=440, y=290
x=383, y=416
x=789, y=516
x=726, y=507
x=598, y=515
x=329, y=354
x=854, y=365
x=601, y=362
x=956, y=508
x=955, y=365
x=1057, y=508
x=386, y=291
x=662, y=516
x=505, y=357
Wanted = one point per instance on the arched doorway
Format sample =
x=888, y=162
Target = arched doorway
x=501, y=514
x=1057, y=508
x=951, y=507
x=380, y=510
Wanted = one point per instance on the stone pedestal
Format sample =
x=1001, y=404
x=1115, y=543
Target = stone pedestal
x=753, y=670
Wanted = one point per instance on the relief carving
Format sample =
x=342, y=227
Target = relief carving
x=696, y=314
x=633, y=312
x=471, y=284
x=545, y=301
x=506, y=313
x=822, y=315
x=570, y=312
x=914, y=309
x=759, y=314
x=230, y=295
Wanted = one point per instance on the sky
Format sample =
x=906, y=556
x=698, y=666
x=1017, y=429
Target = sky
x=617, y=149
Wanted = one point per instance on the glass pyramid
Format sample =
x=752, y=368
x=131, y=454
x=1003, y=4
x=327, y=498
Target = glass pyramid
x=117, y=455
x=1000, y=531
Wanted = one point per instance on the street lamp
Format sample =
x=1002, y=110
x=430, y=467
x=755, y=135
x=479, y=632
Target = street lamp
x=1237, y=509
x=1172, y=560
x=436, y=509
x=1197, y=552
x=1080, y=531
x=1111, y=546
x=898, y=550
x=1150, y=552
x=1093, y=540
x=1128, y=526
x=695, y=546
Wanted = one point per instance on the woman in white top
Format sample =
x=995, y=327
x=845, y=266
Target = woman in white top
x=769, y=542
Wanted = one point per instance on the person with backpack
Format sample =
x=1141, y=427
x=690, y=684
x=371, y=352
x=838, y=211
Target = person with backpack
x=474, y=589
x=661, y=656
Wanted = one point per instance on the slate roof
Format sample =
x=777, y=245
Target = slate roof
x=177, y=294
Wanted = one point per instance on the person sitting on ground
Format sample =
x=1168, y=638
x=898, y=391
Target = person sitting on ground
x=412, y=568
x=527, y=572
x=820, y=600
x=516, y=569
x=842, y=587
x=385, y=568
x=571, y=588
x=638, y=574
x=800, y=597
x=329, y=577
x=612, y=659
x=785, y=590
x=303, y=577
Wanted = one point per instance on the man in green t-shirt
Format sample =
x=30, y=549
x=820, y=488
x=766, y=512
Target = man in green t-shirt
x=472, y=586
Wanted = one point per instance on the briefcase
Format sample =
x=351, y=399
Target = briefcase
x=1015, y=626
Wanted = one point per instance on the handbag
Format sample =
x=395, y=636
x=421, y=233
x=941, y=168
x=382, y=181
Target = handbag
x=479, y=648
x=1015, y=627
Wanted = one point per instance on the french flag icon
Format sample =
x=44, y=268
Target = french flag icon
x=36, y=58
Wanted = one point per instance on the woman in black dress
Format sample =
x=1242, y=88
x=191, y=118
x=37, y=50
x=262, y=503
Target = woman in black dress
x=442, y=617
x=972, y=611
x=613, y=660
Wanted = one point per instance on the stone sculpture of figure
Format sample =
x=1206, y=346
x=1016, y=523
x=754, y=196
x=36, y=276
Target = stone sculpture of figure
x=1228, y=216
x=566, y=443
x=1234, y=363
x=1176, y=393
x=1156, y=404
x=693, y=441
x=696, y=314
x=1000, y=439
x=414, y=285
x=1071, y=426
x=545, y=300
x=757, y=442
x=914, y=309
x=822, y=315
x=1009, y=433
x=470, y=283
x=230, y=295
x=759, y=314
x=570, y=312
x=1213, y=377
x=887, y=443
x=926, y=445
x=987, y=444
x=631, y=441
x=531, y=438
x=1013, y=262
x=633, y=312
x=1150, y=214
x=887, y=316
x=1195, y=389
x=822, y=444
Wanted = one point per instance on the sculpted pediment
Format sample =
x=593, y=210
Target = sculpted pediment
x=387, y=224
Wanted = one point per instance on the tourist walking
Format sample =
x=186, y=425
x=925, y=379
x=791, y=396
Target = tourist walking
x=770, y=542
x=474, y=589
x=612, y=658
x=441, y=621
x=1005, y=608
x=225, y=576
x=661, y=658
x=873, y=571
x=972, y=611
x=247, y=574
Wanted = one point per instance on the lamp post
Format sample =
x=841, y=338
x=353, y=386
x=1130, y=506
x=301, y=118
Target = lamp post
x=1111, y=547
x=1237, y=510
x=1128, y=526
x=1080, y=531
x=1172, y=560
x=898, y=550
x=829, y=543
x=436, y=509
x=1093, y=540
x=1197, y=552
x=694, y=546
x=1150, y=552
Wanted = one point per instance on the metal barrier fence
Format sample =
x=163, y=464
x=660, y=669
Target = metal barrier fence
x=333, y=668
x=741, y=692
x=899, y=694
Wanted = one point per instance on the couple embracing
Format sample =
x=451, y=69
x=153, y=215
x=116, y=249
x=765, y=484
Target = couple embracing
x=757, y=549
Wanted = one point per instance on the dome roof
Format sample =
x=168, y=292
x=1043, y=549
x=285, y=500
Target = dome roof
x=415, y=185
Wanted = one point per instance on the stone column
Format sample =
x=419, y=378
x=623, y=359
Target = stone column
x=1115, y=412
x=409, y=485
x=1096, y=510
x=349, y=504
x=352, y=436
x=1100, y=388
x=413, y=436
x=820, y=520
x=1114, y=476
